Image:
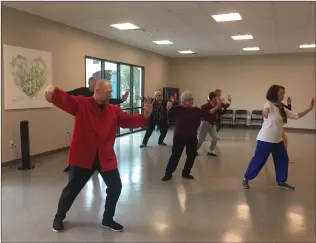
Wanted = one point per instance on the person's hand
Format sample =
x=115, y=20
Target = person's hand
x=218, y=101
x=289, y=100
x=229, y=98
x=172, y=98
x=312, y=104
x=148, y=107
x=125, y=96
x=49, y=92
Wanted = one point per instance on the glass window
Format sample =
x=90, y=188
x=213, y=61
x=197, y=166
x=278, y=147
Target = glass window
x=110, y=73
x=125, y=84
x=93, y=69
x=129, y=78
x=137, y=86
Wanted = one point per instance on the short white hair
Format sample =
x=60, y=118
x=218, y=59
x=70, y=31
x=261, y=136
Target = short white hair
x=186, y=95
x=157, y=93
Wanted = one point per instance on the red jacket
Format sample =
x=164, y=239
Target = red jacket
x=94, y=129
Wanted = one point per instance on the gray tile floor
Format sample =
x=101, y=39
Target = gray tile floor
x=212, y=208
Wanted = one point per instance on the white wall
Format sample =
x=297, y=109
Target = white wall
x=247, y=79
x=68, y=46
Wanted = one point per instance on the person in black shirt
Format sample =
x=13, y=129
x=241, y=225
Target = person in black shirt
x=88, y=92
x=158, y=118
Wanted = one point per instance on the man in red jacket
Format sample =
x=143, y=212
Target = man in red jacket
x=91, y=147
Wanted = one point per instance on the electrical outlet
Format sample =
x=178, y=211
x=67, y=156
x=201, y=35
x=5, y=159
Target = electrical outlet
x=12, y=144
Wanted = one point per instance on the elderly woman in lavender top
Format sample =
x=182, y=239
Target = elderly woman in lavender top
x=188, y=119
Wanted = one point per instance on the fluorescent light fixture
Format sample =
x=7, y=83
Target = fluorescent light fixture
x=255, y=48
x=125, y=26
x=186, y=52
x=163, y=42
x=227, y=17
x=308, y=46
x=242, y=37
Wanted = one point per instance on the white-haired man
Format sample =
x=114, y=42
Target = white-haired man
x=158, y=118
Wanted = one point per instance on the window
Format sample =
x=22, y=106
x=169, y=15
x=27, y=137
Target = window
x=110, y=73
x=93, y=69
x=124, y=78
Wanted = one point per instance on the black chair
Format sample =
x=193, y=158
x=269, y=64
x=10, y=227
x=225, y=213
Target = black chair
x=241, y=117
x=228, y=117
x=256, y=117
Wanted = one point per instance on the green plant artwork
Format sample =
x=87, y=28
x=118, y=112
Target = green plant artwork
x=29, y=75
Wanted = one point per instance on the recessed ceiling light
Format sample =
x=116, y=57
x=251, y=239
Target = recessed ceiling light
x=125, y=26
x=227, y=17
x=308, y=46
x=242, y=37
x=163, y=42
x=186, y=52
x=255, y=48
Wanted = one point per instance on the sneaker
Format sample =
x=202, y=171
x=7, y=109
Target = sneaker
x=284, y=185
x=211, y=154
x=245, y=184
x=166, y=178
x=162, y=144
x=67, y=168
x=187, y=176
x=58, y=225
x=113, y=226
x=143, y=146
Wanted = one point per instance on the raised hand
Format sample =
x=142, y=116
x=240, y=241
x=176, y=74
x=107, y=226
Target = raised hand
x=171, y=98
x=229, y=98
x=289, y=100
x=125, y=96
x=148, y=107
x=312, y=104
x=49, y=92
x=219, y=101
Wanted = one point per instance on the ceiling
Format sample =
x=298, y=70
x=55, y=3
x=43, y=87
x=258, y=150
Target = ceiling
x=277, y=27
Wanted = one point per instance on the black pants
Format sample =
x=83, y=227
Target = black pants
x=178, y=145
x=218, y=124
x=78, y=177
x=163, y=127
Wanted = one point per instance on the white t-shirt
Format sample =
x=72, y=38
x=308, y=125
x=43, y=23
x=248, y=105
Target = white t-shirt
x=272, y=127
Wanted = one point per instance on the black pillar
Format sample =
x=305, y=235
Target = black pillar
x=25, y=146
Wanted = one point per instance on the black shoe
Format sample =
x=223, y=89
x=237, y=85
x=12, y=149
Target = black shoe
x=166, y=178
x=143, y=146
x=284, y=185
x=113, y=226
x=58, y=225
x=211, y=154
x=245, y=184
x=162, y=144
x=187, y=176
x=67, y=168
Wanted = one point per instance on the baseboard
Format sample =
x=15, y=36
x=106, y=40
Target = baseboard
x=33, y=157
x=257, y=127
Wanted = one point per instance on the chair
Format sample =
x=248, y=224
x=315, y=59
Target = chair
x=228, y=117
x=256, y=117
x=241, y=117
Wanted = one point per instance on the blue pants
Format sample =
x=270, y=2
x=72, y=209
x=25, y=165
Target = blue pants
x=263, y=151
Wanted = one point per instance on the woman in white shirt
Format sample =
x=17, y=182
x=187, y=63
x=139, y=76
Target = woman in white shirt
x=269, y=139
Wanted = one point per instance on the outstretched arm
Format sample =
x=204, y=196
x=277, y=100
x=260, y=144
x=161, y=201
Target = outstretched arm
x=135, y=121
x=76, y=92
x=294, y=115
x=116, y=101
x=61, y=99
x=126, y=120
